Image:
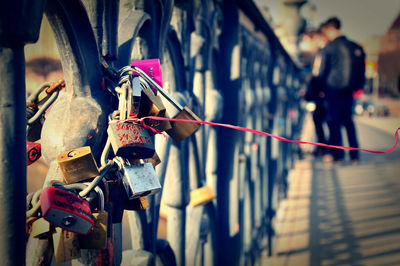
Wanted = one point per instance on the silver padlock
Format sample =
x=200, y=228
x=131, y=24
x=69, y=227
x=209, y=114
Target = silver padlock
x=139, y=180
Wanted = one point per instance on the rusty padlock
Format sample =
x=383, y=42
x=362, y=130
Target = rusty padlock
x=67, y=210
x=179, y=130
x=130, y=140
x=77, y=165
x=97, y=238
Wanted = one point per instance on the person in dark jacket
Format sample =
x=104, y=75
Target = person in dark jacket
x=315, y=91
x=334, y=71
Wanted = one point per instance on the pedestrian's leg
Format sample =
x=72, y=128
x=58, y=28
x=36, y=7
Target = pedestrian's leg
x=350, y=129
x=334, y=125
x=318, y=117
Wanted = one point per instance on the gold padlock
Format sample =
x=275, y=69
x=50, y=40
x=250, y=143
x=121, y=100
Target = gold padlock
x=97, y=238
x=66, y=245
x=77, y=165
x=182, y=130
x=201, y=195
x=152, y=105
x=137, y=204
x=40, y=228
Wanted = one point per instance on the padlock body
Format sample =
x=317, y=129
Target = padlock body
x=130, y=140
x=33, y=152
x=97, y=238
x=66, y=245
x=201, y=195
x=66, y=210
x=77, y=165
x=182, y=130
x=140, y=180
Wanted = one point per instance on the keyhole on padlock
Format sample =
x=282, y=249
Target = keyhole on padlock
x=72, y=154
x=68, y=221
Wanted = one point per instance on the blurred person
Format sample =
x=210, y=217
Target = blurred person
x=342, y=70
x=316, y=90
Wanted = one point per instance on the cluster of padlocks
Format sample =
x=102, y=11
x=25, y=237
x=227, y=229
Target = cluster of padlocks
x=78, y=211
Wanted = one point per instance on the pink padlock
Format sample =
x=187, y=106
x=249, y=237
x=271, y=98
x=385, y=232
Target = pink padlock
x=152, y=68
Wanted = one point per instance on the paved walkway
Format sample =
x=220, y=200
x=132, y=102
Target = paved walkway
x=342, y=214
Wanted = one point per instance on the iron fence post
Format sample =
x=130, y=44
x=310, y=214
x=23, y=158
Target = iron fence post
x=19, y=24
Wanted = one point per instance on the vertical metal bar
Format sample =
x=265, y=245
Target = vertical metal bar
x=177, y=198
x=12, y=155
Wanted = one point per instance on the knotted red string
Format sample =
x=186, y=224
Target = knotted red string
x=141, y=120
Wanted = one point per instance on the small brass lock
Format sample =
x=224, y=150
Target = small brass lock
x=66, y=245
x=182, y=130
x=201, y=195
x=77, y=165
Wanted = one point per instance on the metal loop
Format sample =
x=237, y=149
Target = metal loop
x=33, y=97
x=106, y=150
x=45, y=106
x=35, y=204
x=123, y=71
x=101, y=197
x=96, y=181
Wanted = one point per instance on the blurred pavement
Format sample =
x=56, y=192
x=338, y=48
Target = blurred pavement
x=343, y=214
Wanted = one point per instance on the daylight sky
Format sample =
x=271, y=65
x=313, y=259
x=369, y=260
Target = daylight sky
x=360, y=18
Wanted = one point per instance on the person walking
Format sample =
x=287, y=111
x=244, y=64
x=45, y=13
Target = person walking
x=316, y=91
x=342, y=70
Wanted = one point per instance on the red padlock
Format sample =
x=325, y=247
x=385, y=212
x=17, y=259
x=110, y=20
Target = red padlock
x=66, y=210
x=33, y=152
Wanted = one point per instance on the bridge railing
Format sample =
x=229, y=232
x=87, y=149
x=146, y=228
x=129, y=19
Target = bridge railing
x=223, y=60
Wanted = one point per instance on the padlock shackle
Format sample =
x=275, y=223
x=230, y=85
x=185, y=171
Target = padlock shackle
x=158, y=87
x=96, y=181
x=145, y=85
x=101, y=198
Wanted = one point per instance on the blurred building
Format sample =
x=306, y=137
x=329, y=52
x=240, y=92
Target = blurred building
x=372, y=47
x=389, y=61
x=288, y=22
x=42, y=59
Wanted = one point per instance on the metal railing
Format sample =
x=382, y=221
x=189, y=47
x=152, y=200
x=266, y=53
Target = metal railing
x=219, y=57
